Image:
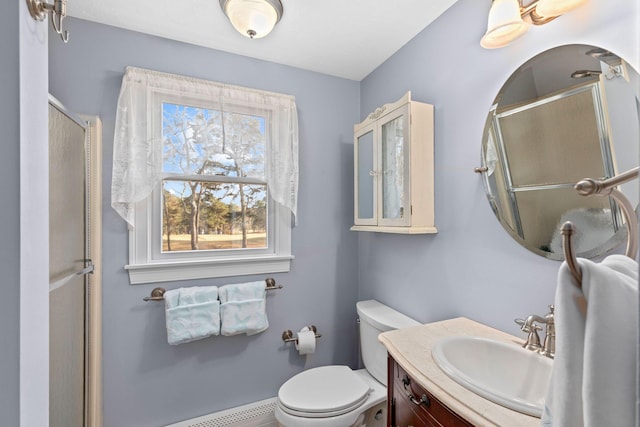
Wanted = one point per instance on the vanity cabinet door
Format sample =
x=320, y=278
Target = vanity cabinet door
x=411, y=405
x=405, y=416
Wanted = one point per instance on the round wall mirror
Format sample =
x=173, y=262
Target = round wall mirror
x=567, y=114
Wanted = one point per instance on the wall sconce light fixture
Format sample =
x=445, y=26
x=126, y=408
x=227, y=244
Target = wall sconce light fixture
x=253, y=18
x=40, y=9
x=507, y=18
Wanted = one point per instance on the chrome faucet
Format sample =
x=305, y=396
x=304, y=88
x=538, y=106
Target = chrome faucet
x=548, y=348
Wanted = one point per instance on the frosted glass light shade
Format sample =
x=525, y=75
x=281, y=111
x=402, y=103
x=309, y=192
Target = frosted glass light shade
x=505, y=24
x=548, y=8
x=252, y=18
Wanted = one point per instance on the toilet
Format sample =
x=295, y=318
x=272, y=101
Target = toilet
x=336, y=395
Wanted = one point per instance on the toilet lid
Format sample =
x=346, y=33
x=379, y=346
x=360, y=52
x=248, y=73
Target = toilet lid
x=323, y=392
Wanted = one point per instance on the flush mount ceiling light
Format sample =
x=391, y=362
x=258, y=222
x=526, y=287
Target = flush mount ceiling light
x=507, y=18
x=253, y=18
x=578, y=74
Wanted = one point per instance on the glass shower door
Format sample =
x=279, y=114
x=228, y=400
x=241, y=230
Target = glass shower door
x=67, y=253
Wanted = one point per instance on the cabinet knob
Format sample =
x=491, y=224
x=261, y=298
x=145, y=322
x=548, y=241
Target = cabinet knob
x=374, y=173
x=406, y=381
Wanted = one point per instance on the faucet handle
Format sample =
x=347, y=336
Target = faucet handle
x=533, y=339
x=552, y=309
x=527, y=326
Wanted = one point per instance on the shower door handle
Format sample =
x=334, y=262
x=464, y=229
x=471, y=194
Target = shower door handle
x=59, y=283
x=87, y=270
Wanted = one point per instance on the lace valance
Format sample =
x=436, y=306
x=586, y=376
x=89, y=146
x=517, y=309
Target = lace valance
x=138, y=151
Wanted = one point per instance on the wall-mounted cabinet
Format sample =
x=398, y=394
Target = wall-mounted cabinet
x=393, y=163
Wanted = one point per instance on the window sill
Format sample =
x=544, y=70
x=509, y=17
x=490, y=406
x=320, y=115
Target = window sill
x=188, y=270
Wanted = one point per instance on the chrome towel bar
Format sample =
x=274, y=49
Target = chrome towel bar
x=605, y=187
x=157, y=294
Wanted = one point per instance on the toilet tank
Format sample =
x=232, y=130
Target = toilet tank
x=376, y=318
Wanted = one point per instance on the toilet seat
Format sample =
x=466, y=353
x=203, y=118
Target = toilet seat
x=326, y=391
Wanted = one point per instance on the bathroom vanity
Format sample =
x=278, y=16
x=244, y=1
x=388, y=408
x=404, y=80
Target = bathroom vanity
x=410, y=404
x=421, y=394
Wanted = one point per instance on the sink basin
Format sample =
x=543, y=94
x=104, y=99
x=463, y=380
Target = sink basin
x=504, y=373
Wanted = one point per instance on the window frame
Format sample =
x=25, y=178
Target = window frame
x=147, y=262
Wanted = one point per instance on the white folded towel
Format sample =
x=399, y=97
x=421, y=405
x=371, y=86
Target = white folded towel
x=594, y=373
x=243, y=317
x=191, y=314
x=243, y=308
x=242, y=291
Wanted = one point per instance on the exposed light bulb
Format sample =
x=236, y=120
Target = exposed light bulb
x=548, y=8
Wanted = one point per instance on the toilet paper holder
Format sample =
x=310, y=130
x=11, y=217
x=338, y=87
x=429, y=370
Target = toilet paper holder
x=287, y=336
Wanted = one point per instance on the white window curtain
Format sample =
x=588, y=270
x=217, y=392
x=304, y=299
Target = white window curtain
x=393, y=162
x=137, y=153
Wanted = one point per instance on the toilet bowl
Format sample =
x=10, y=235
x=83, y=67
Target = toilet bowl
x=336, y=395
x=329, y=396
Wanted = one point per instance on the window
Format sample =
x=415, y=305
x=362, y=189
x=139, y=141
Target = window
x=217, y=160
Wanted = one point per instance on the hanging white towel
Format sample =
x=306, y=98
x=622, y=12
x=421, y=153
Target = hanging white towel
x=242, y=291
x=594, y=382
x=192, y=314
x=243, y=308
x=243, y=317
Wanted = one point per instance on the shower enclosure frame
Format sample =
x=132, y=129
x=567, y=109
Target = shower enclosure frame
x=93, y=251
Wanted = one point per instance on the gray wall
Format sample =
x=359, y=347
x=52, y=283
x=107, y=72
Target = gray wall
x=24, y=220
x=148, y=382
x=10, y=217
x=471, y=268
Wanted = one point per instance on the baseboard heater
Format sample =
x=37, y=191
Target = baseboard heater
x=257, y=414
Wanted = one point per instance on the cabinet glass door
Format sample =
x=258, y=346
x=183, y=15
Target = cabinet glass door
x=365, y=179
x=395, y=206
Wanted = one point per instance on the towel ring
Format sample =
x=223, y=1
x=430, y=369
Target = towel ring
x=606, y=187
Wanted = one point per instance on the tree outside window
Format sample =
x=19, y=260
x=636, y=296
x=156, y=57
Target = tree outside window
x=214, y=193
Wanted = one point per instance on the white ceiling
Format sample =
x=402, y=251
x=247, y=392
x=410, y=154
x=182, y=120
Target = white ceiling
x=344, y=38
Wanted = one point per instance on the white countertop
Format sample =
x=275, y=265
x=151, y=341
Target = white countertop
x=411, y=348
